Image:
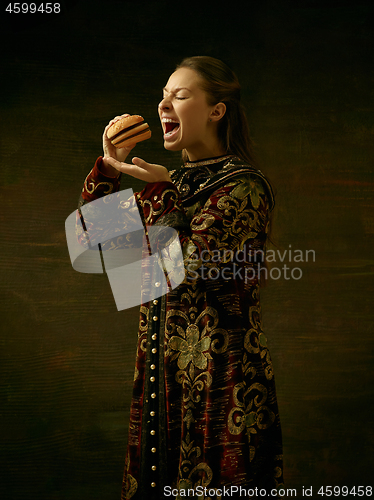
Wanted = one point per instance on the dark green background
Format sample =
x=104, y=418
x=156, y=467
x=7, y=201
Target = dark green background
x=67, y=355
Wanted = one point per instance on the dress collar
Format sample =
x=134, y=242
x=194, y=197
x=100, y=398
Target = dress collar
x=207, y=161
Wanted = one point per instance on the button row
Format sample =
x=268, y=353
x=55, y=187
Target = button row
x=152, y=379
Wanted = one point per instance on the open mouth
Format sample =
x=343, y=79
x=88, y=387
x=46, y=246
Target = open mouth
x=171, y=127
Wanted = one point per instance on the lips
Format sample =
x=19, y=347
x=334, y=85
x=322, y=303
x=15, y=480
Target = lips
x=171, y=127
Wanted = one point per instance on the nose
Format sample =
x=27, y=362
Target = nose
x=164, y=104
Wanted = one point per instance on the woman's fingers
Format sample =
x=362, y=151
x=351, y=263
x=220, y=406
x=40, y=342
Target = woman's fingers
x=140, y=169
x=130, y=169
x=143, y=164
x=151, y=171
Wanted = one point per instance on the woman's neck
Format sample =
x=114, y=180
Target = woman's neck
x=205, y=152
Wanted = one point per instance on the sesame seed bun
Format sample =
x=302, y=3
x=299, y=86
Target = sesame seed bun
x=128, y=131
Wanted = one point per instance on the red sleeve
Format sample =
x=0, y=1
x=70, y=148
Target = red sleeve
x=98, y=184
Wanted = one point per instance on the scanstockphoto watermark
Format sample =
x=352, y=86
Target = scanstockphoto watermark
x=248, y=264
x=228, y=492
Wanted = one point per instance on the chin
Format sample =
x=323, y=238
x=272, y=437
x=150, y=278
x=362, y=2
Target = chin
x=172, y=147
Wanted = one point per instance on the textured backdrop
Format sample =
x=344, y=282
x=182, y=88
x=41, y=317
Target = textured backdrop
x=66, y=354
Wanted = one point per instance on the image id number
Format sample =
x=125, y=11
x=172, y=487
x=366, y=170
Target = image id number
x=344, y=491
x=32, y=8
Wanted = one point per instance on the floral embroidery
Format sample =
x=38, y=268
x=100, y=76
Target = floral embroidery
x=249, y=185
x=191, y=348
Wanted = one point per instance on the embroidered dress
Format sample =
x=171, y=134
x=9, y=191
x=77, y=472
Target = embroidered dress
x=204, y=417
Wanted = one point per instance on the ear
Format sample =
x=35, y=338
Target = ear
x=217, y=112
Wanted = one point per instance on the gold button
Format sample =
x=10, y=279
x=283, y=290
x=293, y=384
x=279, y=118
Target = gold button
x=154, y=350
x=157, y=284
x=153, y=450
x=153, y=367
x=155, y=318
x=153, y=467
x=155, y=302
x=154, y=336
x=153, y=485
x=153, y=395
x=153, y=413
x=153, y=432
x=152, y=379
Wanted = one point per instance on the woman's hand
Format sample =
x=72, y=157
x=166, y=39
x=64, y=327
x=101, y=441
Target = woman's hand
x=111, y=151
x=140, y=169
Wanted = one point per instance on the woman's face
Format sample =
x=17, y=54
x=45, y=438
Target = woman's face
x=185, y=116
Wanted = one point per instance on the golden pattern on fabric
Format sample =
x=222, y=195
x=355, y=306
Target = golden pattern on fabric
x=143, y=328
x=210, y=364
x=131, y=483
x=239, y=216
x=92, y=185
x=253, y=416
x=156, y=207
x=191, y=477
x=255, y=343
x=191, y=337
x=193, y=341
x=251, y=411
x=212, y=161
x=191, y=348
x=202, y=222
x=236, y=418
x=193, y=384
x=249, y=185
x=143, y=324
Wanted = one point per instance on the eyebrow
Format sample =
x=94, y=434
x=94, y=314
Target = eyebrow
x=176, y=90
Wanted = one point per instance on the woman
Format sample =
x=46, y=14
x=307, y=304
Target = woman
x=204, y=420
